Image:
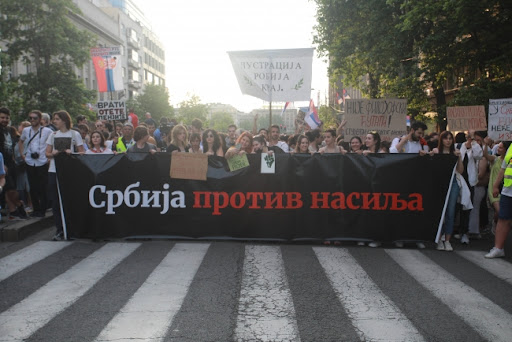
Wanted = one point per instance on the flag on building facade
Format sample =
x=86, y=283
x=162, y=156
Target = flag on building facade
x=109, y=72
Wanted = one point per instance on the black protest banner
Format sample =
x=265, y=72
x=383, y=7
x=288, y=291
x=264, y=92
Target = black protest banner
x=383, y=197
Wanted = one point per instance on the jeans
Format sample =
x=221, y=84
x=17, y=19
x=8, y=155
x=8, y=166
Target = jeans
x=38, y=180
x=449, y=216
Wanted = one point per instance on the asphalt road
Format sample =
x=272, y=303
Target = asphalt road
x=235, y=291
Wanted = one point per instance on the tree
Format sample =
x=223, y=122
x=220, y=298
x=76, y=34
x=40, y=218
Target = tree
x=155, y=100
x=191, y=109
x=40, y=34
x=220, y=121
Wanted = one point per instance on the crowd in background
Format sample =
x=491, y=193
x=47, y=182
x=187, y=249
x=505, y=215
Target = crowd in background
x=474, y=205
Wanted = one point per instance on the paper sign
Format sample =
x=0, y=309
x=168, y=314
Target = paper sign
x=466, y=118
x=111, y=110
x=268, y=163
x=500, y=119
x=385, y=116
x=189, y=165
x=238, y=162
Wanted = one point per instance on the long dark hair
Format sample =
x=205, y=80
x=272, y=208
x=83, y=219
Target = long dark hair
x=216, y=141
x=376, y=137
x=440, y=146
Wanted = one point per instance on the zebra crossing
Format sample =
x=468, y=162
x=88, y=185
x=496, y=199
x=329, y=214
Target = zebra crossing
x=228, y=291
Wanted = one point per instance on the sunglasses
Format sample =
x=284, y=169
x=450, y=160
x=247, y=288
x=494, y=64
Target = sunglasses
x=33, y=118
x=209, y=136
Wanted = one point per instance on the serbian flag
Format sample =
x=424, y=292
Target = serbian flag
x=285, y=106
x=340, y=100
x=311, y=117
x=107, y=64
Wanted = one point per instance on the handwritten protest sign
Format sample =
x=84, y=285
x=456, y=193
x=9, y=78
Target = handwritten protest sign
x=386, y=116
x=189, y=165
x=466, y=118
x=500, y=119
x=238, y=162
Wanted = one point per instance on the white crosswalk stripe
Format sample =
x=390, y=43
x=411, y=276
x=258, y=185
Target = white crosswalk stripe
x=28, y=256
x=263, y=306
x=372, y=313
x=498, y=267
x=149, y=313
x=491, y=321
x=266, y=310
x=24, y=318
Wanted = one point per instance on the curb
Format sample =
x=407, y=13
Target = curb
x=18, y=230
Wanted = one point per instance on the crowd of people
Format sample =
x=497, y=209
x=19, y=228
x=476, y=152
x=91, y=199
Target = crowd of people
x=480, y=193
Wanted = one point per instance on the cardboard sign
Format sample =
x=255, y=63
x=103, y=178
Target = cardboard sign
x=268, y=163
x=386, y=116
x=500, y=119
x=466, y=118
x=189, y=165
x=238, y=162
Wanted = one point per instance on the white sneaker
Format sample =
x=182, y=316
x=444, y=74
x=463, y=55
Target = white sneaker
x=440, y=245
x=399, y=244
x=443, y=237
x=420, y=245
x=456, y=236
x=360, y=243
x=464, y=239
x=374, y=244
x=495, y=253
x=448, y=246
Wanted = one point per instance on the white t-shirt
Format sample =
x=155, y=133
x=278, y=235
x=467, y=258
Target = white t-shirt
x=102, y=151
x=62, y=141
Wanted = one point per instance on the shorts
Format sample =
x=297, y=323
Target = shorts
x=505, y=208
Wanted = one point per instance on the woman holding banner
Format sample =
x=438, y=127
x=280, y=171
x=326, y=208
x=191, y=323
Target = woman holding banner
x=212, y=145
x=179, y=140
x=446, y=145
x=97, y=144
x=372, y=143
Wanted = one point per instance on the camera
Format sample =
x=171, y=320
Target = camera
x=34, y=155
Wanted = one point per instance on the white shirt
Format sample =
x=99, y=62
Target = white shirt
x=474, y=154
x=409, y=147
x=76, y=140
x=37, y=145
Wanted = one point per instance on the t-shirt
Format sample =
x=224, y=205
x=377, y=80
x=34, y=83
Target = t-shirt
x=147, y=147
x=101, y=151
x=63, y=141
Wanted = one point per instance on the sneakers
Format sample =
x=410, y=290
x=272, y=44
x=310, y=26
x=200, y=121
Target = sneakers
x=399, y=244
x=464, y=239
x=18, y=214
x=420, y=245
x=448, y=246
x=495, y=253
x=58, y=237
x=360, y=243
x=374, y=244
x=456, y=236
x=440, y=245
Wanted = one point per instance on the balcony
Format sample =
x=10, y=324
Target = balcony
x=134, y=84
x=133, y=43
x=133, y=63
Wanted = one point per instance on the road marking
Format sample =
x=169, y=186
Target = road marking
x=23, y=319
x=373, y=314
x=498, y=267
x=487, y=318
x=265, y=311
x=149, y=313
x=28, y=256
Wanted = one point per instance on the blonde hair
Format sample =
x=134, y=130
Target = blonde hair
x=177, y=130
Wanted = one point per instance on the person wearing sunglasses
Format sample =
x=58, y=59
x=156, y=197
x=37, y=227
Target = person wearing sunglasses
x=211, y=143
x=33, y=150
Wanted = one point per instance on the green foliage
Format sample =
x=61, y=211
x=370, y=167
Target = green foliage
x=191, y=109
x=155, y=100
x=220, y=121
x=400, y=48
x=40, y=34
x=328, y=116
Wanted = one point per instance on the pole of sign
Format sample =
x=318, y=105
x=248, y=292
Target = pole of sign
x=270, y=90
x=270, y=113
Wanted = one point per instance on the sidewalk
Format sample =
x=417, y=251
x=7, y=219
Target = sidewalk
x=17, y=230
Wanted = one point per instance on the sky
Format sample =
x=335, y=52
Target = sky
x=197, y=34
